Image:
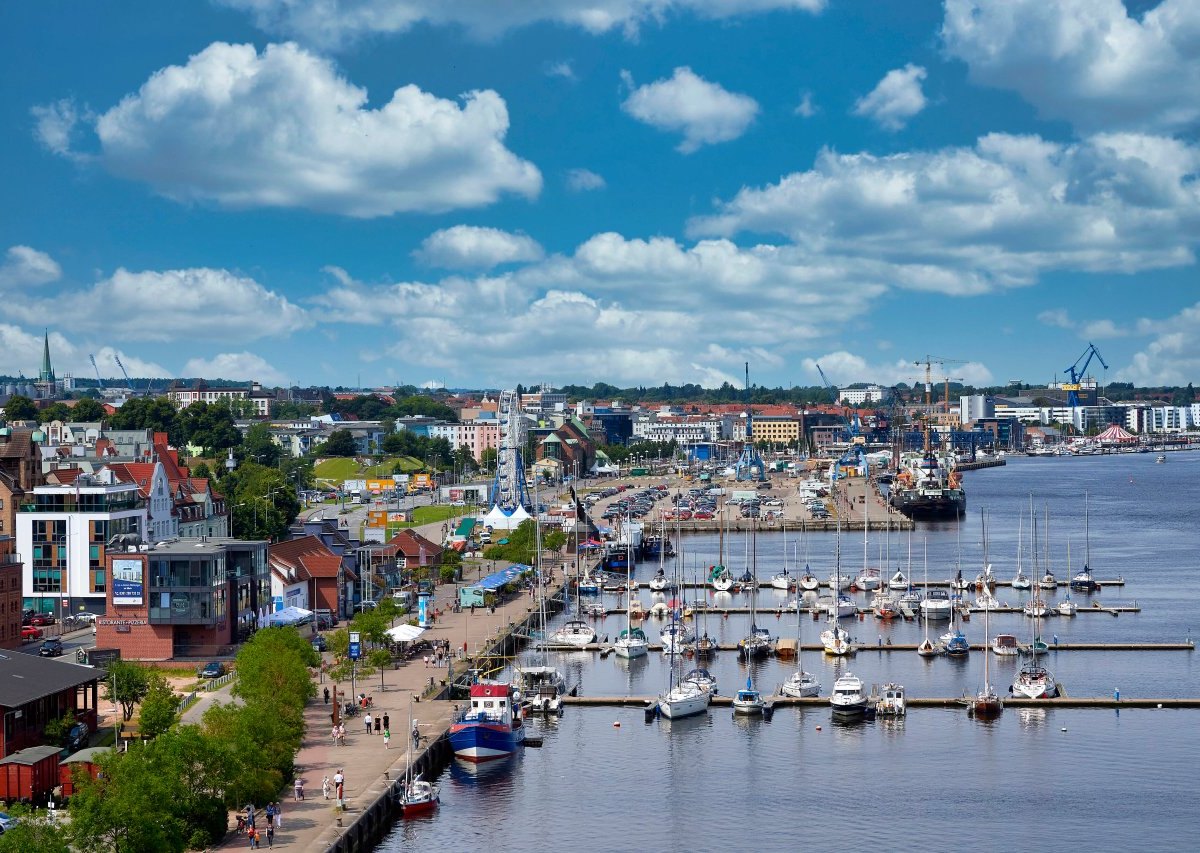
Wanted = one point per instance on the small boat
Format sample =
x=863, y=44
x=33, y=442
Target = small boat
x=490, y=727
x=748, y=700
x=1160, y=459
x=898, y=581
x=840, y=607
x=417, y=796
x=706, y=647
x=809, y=581
x=937, y=605
x=702, y=678
x=540, y=690
x=1035, y=607
x=755, y=645
x=595, y=610
x=1048, y=581
x=847, y=700
x=783, y=580
x=589, y=585
x=1005, y=646
x=911, y=599
x=890, y=702
x=631, y=643
x=960, y=584
x=575, y=632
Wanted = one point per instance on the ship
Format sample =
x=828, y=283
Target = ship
x=927, y=487
x=491, y=727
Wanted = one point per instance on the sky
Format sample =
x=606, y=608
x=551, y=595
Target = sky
x=480, y=193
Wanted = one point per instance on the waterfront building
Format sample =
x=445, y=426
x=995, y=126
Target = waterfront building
x=35, y=691
x=304, y=573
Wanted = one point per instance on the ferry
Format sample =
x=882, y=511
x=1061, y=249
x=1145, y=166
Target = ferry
x=491, y=727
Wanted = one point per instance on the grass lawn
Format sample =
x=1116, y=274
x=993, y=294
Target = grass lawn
x=337, y=470
x=408, y=464
x=340, y=469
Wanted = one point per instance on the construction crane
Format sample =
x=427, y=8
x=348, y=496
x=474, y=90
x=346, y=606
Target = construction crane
x=95, y=367
x=128, y=382
x=1077, y=373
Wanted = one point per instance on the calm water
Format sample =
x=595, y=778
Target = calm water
x=937, y=780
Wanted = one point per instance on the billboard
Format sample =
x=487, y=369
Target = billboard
x=127, y=582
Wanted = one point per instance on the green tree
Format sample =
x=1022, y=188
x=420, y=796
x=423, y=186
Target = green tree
x=263, y=503
x=57, y=730
x=554, y=540
x=339, y=443
x=153, y=413
x=130, y=682
x=379, y=659
x=32, y=833
x=20, y=408
x=210, y=426
x=259, y=446
x=88, y=411
x=128, y=808
x=464, y=459
x=159, y=707
x=54, y=412
x=487, y=459
x=272, y=669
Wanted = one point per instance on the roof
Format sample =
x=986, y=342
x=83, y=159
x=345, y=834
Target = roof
x=18, y=446
x=412, y=544
x=26, y=678
x=498, y=579
x=87, y=756
x=31, y=755
x=307, y=556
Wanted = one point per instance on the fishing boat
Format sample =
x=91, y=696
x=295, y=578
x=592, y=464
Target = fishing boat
x=490, y=727
x=890, y=702
x=847, y=699
x=1005, y=646
x=986, y=703
x=748, y=700
x=1082, y=581
x=416, y=796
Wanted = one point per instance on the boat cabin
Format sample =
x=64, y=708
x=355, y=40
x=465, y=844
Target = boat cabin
x=491, y=700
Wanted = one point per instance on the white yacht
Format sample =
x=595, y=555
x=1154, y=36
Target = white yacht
x=575, y=632
x=783, y=580
x=748, y=700
x=835, y=640
x=685, y=699
x=809, y=581
x=703, y=679
x=847, y=700
x=840, y=607
x=898, y=581
x=1005, y=646
x=937, y=605
x=1034, y=681
x=676, y=638
x=631, y=643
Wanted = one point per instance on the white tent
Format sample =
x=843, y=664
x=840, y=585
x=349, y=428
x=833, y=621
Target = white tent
x=498, y=520
x=289, y=616
x=405, y=633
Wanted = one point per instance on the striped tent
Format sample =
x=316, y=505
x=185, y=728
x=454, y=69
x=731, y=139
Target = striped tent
x=1116, y=434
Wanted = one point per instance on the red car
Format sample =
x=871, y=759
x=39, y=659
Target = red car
x=30, y=633
x=42, y=619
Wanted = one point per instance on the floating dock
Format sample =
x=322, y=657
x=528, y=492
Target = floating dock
x=822, y=702
x=604, y=648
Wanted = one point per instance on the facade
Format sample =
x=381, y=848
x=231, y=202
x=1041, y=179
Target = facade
x=305, y=573
x=20, y=473
x=864, y=396
x=11, y=600
x=975, y=407
x=682, y=429
x=187, y=598
x=259, y=399
x=773, y=429
x=63, y=532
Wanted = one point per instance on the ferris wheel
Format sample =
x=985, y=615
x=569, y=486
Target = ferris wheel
x=510, y=493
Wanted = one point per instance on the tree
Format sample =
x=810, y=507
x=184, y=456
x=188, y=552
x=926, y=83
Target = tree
x=160, y=707
x=273, y=670
x=339, y=443
x=128, y=808
x=157, y=414
x=463, y=459
x=54, y=412
x=263, y=503
x=259, y=446
x=210, y=426
x=20, y=408
x=487, y=459
x=380, y=659
x=57, y=730
x=130, y=682
x=87, y=411
x=32, y=833
x=554, y=540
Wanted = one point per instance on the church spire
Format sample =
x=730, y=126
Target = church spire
x=47, y=374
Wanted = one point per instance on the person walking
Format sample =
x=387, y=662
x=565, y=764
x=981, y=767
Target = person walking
x=270, y=836
x=326, y=786
x=367, y=720
x=386, y=721
x=298, y=788
x=378, y=724
x=387, y=737
x=326, y=695
x=279, y=814
x=252, y=837
x=339, y=785
x=416, y=735
x=270, y=813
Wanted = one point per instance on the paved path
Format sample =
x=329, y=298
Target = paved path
x=311, y=825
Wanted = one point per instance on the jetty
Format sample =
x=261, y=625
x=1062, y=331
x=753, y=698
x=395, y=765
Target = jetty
x=958, y=702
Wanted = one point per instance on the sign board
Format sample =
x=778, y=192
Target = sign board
x=378, y=486
x=127, y=582
x=355, y=645
x=423, y=609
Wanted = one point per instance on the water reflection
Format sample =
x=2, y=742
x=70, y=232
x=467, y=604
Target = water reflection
x=1032, y=718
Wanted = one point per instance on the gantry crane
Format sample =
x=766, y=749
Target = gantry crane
x=1077, y=373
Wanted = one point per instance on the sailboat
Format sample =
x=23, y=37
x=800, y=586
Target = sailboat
x=631, y=642
x=926, y=648
x=1020, y=580
x=1033, y=680
x=574, y=632
x=748, y=700
x=416, y=796
x=1083, y=580
x=1048, y=580
x=541, y=685
x=783, y=580
x=720, y=577
x=756, y=644
x=800, y=683
x=1036, y=606
x=1067, y=607
x=885, y=604
x=685, y=697
x=986, y=600
x=986, y=703
x=834, y=639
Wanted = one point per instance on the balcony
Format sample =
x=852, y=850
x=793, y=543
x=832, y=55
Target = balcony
x=11, y=559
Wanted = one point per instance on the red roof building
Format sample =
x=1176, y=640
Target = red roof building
x=305, y=573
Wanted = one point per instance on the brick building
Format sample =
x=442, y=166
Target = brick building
x=305, y=573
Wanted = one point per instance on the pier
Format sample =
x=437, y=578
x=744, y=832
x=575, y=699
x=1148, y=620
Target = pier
x=604, y=649
x=956, y=702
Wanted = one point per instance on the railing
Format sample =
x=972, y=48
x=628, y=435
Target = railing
x=217, y=683
x=11, y=559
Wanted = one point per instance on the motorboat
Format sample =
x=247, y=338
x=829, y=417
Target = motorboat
x=490, y=727
x=937, y=605
x=596, y=610
x=416, y=796
x=574, y=632
x=540, y=689
x=957, y=646
x=748, y=700
x=898, y=581
x=847, y=699
x=1005, y=646
x=1160, y=459
x=890, y=702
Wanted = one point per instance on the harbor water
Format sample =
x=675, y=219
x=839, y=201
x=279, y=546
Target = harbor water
x=1033, y=779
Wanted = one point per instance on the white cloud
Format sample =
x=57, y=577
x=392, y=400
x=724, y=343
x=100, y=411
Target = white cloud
x=968, y=220
x=1058, y=317
x=1173, y=357
x=806, y=108
x=106, y=360
x=334, y=23
x=242, y=366
x=582, y=180
x=896, y=98
x=702, y=111
x=470, y=247
x=560, y=69
x=284, y=129
x=1098, y=330
x=1086, y=61
x=843, y=368
x=24, y=266
x=54, y=124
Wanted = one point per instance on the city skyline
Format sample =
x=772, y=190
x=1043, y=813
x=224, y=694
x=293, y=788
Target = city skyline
x=371, y=192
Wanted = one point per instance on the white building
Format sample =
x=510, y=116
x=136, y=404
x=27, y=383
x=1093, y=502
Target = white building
x=201, y=393
x=973, y=407
x=684, y=430
x=862, y=396
x=63, y=535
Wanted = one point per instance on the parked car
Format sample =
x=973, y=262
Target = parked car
x=77, y=738
x=212, y=669
x=42, y=619
x=51, y=648
x=7, y=822
x=325, y=619
x=319, y=643
x=29, y=632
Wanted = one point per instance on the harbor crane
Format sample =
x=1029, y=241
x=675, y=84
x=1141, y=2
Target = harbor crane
x=1077, y=373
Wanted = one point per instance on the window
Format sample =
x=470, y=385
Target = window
x=98, y=581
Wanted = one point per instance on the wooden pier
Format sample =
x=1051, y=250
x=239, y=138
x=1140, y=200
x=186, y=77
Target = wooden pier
x=605, y=648
x=959, y=702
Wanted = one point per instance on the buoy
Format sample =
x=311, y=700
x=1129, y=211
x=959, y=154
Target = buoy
x=1064, y=728
x=818, y=728
x=617, y=724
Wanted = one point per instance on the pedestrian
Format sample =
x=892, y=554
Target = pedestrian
x=426, y=659
x=326, y=695
x=387, y=737
x=298, y=788
x=279, y=815
x=339, y=785
x=472, y=609
x=270, y=836
x=326, y=786
x=250, y=815
x=252, y=837
x=378, y=724
x=386, y=723
x=270, y=813
x=367, y=720
x=416, y=735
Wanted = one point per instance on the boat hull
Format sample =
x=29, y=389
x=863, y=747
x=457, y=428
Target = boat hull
x=950, y=504
x=677, y=707
x=850, y=710
x=636, y=650
x=479, y=742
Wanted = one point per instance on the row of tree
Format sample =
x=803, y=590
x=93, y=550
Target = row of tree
x=174, y=792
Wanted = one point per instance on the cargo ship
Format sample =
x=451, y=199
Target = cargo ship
x=927, y=487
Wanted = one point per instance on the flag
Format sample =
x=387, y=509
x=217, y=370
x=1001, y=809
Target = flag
x=422, y=557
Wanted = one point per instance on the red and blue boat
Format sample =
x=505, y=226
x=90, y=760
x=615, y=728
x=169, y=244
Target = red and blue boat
x=491, y=727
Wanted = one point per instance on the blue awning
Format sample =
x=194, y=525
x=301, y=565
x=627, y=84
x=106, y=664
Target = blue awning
x=498, y=579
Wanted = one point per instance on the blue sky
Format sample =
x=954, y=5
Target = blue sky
x=630, y=191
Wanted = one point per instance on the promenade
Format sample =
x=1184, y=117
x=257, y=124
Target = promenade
x=312, y=825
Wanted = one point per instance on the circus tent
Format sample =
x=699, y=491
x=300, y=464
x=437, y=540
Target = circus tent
x=1116, y=434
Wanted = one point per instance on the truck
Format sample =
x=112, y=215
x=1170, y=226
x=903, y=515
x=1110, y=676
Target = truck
x=420, y=483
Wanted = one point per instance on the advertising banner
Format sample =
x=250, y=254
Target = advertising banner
x=127, y=582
